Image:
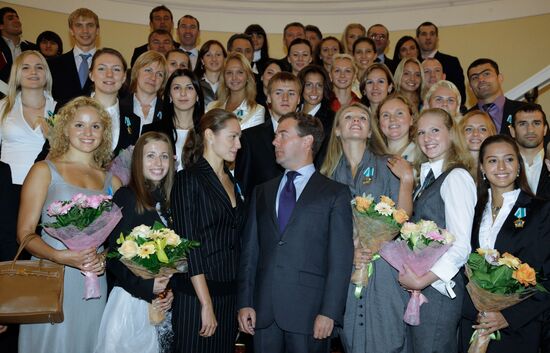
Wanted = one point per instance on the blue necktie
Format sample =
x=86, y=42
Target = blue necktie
x=83, y=69
x=287, y=200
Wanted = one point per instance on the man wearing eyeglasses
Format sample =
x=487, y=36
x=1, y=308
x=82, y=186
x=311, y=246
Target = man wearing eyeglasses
x=381, y=37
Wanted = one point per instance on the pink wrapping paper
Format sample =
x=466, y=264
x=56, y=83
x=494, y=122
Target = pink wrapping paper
x=93, y=236
x=397, y=253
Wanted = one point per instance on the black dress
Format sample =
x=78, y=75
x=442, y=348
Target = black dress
x=531, y=244
x=202, y=211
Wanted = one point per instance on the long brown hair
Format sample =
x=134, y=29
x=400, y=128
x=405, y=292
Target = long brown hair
x=214, y=120
x=143, y=187
x=484, y=185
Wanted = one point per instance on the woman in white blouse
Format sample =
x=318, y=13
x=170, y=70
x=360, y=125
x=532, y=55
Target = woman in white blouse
x=24, y=113
x=237, y=92
x=209, y=68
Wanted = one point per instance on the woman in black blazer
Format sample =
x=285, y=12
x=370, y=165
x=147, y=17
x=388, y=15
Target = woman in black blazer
x=509, y=219
x=207, y=206
x=316, y=97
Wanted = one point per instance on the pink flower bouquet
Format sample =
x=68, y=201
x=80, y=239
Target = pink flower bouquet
x=419, y=246
x=81, y=223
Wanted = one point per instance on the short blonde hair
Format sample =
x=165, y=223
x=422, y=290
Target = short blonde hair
x=59, y=140
x=85, y=13
x=340, y=56
x=449, y=85
x=147, y=58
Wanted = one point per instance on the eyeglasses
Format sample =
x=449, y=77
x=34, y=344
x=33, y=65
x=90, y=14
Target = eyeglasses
x=378, y=36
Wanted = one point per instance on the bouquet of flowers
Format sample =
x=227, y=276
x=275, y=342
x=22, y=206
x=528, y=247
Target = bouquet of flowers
x=374, y=224
x=121, y=165
x=151, y=252
x=419, y=246
x=495, y=283
x=81, y=223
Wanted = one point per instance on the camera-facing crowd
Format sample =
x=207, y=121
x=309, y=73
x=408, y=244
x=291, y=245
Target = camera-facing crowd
x=258, y=159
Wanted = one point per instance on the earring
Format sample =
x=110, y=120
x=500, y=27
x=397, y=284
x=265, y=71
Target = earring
x=484, y=176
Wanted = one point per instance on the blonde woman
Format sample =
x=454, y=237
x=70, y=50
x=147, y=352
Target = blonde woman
x=23, y=114
x=350, y=35
x=237, y=92
x=445, y=95
x=343, y=72
x=474, y=128
x=409, y=78
x=80, y=151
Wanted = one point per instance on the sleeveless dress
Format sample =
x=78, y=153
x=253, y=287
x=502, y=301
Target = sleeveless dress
x=78, y=331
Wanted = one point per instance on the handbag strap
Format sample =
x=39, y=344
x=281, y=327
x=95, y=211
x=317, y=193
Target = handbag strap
x=22, y=246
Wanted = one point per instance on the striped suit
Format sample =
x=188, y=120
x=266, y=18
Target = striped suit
x=202, y=211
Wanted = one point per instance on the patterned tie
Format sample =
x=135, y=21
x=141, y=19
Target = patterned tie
x=490, y=108
x=287, y=200
x=83, y=69
x=430, y=178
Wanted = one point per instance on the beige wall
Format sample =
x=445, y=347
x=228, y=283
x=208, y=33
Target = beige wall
x=520, y=46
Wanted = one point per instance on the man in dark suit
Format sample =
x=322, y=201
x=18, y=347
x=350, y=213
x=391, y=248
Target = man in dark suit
x=485, y=81
x=528, y=128
x=297, y=249
x=256, y=162
x=381, y=37
x=11, y=44
x=160, y=17
x=70, y=71
x=427, y=36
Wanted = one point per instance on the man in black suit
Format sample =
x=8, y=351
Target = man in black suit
x=427, y=36
x=256, y=162
x=241, y=43
x=70, y=70
x=485, y=81
x=189, y=30
x=160, y=17
x=297, y=249
x=11, y=44
x=381, y=37
x=528, y=128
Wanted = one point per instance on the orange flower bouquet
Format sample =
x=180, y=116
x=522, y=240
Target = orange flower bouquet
x=373, y=225
x=495, y=283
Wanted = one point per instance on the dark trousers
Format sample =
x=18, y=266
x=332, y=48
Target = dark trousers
x=273, y=339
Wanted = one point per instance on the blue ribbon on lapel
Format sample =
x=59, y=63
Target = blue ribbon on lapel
x=521, y=212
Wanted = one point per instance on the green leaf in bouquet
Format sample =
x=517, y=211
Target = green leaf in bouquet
x=157, y=225
x=541, y=288
x=477, y=262
x=501, y=276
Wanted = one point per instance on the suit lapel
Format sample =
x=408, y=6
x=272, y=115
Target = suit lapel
x=505, y=237
x=209, y=177
x=271, y=198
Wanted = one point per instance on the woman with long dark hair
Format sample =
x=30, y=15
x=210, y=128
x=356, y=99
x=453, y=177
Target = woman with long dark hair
x=208, y=207
x=261, y=47
x=209, y=69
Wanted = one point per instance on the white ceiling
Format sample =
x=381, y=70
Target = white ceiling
x=330, y=16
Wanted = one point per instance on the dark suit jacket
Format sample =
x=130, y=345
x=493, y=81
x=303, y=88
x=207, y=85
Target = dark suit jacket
x=256, y=161
x=66, y=83
x=122, y=276
x=510, y=107
x=326, y=116
x=202, y=211
x=9, y=206
x=6, y=52
x=388, y=62
x=543, y=188
x=142, y=49
x=126, y=105
x=453, y=72
x=292, y=277
x=531, y=244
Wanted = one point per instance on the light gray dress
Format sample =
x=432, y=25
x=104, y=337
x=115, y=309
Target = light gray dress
x=373, y=323
x=78, y=331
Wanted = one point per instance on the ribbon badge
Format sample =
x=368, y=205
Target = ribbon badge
x=509, y=119
x=159, y=115
x=520, y=214
x=368, y=173
x=240, y=114
x=128, y=125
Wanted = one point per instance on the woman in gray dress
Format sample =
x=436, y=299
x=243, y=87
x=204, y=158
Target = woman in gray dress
x=356, y=157
x=80, y=149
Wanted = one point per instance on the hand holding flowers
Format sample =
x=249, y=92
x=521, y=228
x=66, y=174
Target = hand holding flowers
x=495, y=283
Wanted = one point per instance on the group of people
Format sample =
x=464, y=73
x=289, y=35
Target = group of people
x=258, y=159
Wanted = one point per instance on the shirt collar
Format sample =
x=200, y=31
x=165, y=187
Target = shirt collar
x=306, y=171
x=436, y=167
x=77, y=51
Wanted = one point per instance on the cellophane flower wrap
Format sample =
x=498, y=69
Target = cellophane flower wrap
x=419, y=246
x=121, y=165
x=84, y=222
x=495, y=283
x=373, y=224
x=151, y=252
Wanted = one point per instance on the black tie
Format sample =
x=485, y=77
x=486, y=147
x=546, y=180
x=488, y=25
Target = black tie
x=430, y=178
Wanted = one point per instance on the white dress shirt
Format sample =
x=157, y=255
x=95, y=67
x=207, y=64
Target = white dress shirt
x=458, y=191
x=488, y=230
x=193, y=56
x=248, y=117
x=78, y=59
x=145, y=120
x=533, y=171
